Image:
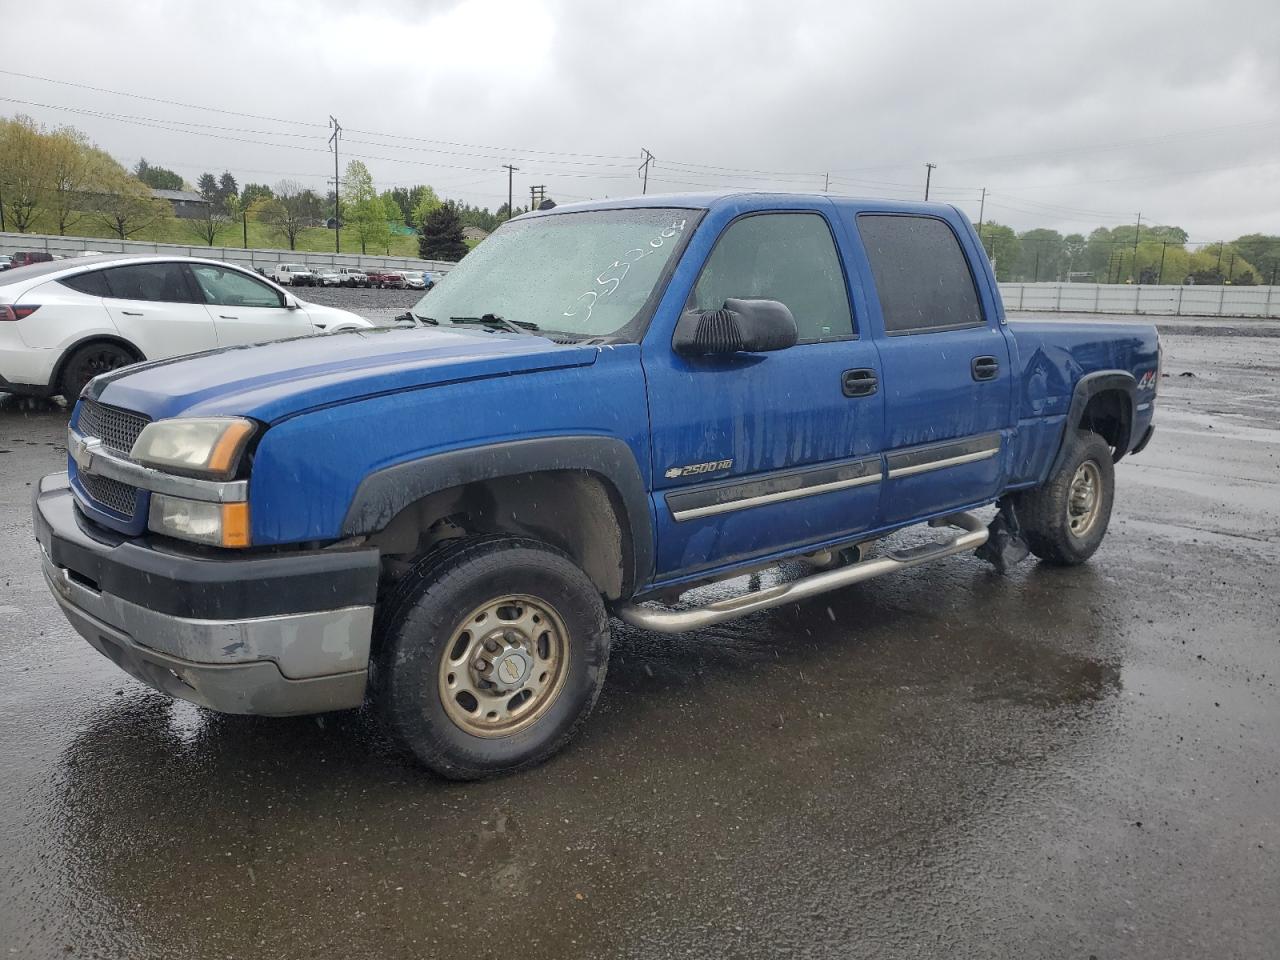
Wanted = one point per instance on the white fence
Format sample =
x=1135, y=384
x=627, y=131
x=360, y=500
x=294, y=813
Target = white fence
x=75, y=246
x=1167, y=300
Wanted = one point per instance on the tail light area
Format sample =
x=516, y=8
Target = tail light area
x=17, y=311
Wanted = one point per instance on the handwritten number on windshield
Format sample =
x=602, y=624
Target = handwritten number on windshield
x=611, y=277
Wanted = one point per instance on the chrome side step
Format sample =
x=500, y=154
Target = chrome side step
x=664, y=620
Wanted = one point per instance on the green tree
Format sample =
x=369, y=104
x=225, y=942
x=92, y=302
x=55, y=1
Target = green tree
x=207, y=186
x=440, y=236
x=1001, y=244
x=1263, y=252
x=157, y=177
x=1040, y=255
x=227, y=187
x=126, y=207
x=212, y=221
x=425, y=203
x=253, y=192
x=24, y=168
x=363, y=210
x=72, y=166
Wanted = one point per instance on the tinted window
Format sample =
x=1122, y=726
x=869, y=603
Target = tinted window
x=921, y=274
x=232, y=288
x=92, y=283
x=163, y=282
x=789, y=257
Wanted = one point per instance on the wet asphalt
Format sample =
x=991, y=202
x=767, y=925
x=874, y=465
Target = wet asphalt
x=950, y=763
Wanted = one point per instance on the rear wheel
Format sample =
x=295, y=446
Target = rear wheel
x=87, y=362
x=1065, y=519
x=493, y=651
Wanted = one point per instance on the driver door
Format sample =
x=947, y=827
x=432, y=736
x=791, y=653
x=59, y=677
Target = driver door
x=759, y=453
x=244, y=309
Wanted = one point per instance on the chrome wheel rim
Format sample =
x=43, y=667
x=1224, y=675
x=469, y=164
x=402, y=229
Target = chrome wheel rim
x=504, y=666
x=1084, y=500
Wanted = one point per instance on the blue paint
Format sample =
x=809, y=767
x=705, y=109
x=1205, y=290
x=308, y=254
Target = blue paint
x=336, y=409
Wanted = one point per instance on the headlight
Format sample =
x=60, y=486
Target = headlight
x=201, y=446
x=219, y=524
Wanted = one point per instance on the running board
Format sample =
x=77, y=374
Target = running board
x=664, y=620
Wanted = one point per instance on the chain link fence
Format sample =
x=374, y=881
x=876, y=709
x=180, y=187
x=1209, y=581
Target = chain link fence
x=1165, y=300
x=266, y=259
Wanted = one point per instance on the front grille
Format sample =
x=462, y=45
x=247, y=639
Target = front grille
x=116, y=428
x=112, y=494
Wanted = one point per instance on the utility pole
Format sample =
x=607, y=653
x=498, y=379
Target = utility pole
x=337, y=206
x=244, y=222
x=1137, y=231
x=826, y=183
x=537, y=195
x=928, y=175
x=1163, y=249
x=510, y=172
x=1219, y=267
x=644, y=168
x=1, y=213
x=982, y=209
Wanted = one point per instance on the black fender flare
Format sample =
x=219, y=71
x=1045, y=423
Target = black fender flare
x=1087, y=387
x=384, y=493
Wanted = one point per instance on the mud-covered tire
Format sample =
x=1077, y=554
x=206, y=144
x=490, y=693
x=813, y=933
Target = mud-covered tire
x=417, y=629
x=1052, y=516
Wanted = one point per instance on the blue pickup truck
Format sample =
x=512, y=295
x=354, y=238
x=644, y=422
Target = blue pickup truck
x=604, y=406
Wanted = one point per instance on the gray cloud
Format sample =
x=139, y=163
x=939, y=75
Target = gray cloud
x=1072, y=115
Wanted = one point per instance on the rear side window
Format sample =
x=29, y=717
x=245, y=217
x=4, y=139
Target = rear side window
x=788, y=257
x=157, y=282
x=92, y=283
x=921, y=273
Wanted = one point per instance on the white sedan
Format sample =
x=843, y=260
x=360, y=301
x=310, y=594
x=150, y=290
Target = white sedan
x=63, y=323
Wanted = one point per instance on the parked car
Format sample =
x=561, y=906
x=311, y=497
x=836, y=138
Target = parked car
x=293, y=275
x=759, y=378
x=385, y=278
x=417, y=280
x=5, y=261
x=327, y=277
x=27, y=257
x=353, y=277
x=63, y=323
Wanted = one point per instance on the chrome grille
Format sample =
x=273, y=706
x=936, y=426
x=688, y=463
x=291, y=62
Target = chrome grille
x=112, y=494
x=116, y=428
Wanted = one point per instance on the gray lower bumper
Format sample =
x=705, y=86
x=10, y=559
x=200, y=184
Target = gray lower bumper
x=275, y=666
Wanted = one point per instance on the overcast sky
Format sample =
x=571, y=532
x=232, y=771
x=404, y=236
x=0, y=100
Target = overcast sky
x=1072, y=115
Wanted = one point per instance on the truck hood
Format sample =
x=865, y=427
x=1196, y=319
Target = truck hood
x=276, y=380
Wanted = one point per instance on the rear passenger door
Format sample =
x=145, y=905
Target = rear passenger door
x=945, y=362
x=244, y=309
x=156, y=306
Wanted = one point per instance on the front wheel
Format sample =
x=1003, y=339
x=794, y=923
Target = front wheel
x=1065, y=519
x=493, y=651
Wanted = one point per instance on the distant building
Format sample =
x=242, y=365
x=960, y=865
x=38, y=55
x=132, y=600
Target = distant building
x=474, y=234
x=187, y=204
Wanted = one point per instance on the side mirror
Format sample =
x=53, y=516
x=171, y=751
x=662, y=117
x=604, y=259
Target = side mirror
x=750, y=326
x=291, y=304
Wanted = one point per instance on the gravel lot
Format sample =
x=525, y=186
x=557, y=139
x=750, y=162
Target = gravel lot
x=1056, y=763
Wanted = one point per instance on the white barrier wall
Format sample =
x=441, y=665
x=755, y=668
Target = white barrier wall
x=1167, y=300
x=74, y=246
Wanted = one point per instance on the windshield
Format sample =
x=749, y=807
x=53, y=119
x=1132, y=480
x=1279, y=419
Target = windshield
x=587, y=274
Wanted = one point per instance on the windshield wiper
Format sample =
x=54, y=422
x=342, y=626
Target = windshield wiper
x=493, y=320
x=416, y=319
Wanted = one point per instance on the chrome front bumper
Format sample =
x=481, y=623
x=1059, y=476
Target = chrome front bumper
x=277, y=664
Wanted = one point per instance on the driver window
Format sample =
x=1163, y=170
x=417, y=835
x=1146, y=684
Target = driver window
x=231, y=288
x=788, y=257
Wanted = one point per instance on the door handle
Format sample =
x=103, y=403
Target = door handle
x=227, y=316
x=985, y=368
x=132, y=313
x=859, y=383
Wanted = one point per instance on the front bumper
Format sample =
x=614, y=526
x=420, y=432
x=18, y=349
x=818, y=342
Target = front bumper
x=277, y=635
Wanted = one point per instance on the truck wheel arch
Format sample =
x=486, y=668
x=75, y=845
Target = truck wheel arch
x=1108, y=395
x=580, y=462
